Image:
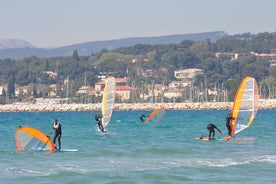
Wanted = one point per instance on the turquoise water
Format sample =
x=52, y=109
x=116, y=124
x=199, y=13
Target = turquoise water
x=133, y=152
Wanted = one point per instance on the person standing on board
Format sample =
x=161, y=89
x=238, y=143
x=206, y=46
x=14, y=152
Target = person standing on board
x=229, y=119
x=58, y=133
x=99, y=122
x=211, y=127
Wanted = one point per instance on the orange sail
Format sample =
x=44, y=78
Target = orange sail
x=245, y=105
x=31, y=139
x=157, y=115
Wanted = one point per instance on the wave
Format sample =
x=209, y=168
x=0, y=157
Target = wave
x=268, y=158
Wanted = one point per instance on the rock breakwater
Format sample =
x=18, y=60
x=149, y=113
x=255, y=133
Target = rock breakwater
x=264, y=104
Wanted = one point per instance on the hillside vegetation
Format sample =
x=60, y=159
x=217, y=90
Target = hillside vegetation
x=224, y=69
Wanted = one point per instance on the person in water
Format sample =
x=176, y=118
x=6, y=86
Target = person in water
x=143, y=117
x=229, y=119
x=58, y=132
x=211, y=127
x=98, y=119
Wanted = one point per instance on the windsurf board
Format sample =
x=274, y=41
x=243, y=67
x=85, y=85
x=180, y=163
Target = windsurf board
x=61, y=150
x=67, y=150
x=204, y=138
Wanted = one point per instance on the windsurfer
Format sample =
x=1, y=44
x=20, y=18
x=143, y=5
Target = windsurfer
x=142, y=117
x=99, y=122
x=58, y=133
x=211, y=127
x=229, y=119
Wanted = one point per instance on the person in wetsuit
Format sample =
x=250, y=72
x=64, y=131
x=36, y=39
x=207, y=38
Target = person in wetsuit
x=98, y=119
x=58, y=132
x=211, y=127
x=229, y=119
x=143, y=117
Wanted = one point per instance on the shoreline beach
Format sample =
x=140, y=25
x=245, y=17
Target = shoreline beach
x=263, y=104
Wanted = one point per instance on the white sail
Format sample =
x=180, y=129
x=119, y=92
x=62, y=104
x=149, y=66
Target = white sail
x=108, y=100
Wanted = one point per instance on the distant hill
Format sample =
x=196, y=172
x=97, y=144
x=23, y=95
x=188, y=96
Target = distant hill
x=95, y=46
x=14, y=44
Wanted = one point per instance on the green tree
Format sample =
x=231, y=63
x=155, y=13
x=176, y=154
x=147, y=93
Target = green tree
x=3, y=92
x=11, y=86
x=76, y=56
x=46, y=67
x=35, y=92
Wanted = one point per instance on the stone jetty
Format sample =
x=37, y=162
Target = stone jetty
x=263, y=104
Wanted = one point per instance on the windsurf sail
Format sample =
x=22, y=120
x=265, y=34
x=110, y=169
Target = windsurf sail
x=156, y=115
x=108, y=100
x=31, y=139
x=245, y=105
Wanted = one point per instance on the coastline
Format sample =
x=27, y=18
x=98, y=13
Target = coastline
x=263, y=104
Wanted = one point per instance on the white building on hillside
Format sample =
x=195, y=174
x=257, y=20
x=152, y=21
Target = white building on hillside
x=187, y=74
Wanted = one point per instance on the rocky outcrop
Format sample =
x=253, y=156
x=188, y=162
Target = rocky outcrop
x=264, y=104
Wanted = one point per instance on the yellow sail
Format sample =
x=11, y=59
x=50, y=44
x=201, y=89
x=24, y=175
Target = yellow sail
x=245, y=105
x=108, y=100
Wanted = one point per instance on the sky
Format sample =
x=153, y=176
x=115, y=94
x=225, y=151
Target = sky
x=55, y=23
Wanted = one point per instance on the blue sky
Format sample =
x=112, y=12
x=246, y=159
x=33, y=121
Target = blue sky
x=53, y=23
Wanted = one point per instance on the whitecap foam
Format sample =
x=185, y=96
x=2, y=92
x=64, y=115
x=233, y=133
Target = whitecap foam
x=268, y=158
x=70, y=168
x=14, y=171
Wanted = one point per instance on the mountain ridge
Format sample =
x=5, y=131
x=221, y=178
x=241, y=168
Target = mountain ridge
x=87, y=48
x=14, y=43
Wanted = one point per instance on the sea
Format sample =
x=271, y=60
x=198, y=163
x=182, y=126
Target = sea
x=135, y=152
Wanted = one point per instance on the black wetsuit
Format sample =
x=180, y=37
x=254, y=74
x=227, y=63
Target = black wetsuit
x=99, y=122
x=229, y=119
x=58, y=133
x=211, y=127
x=142, y=117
